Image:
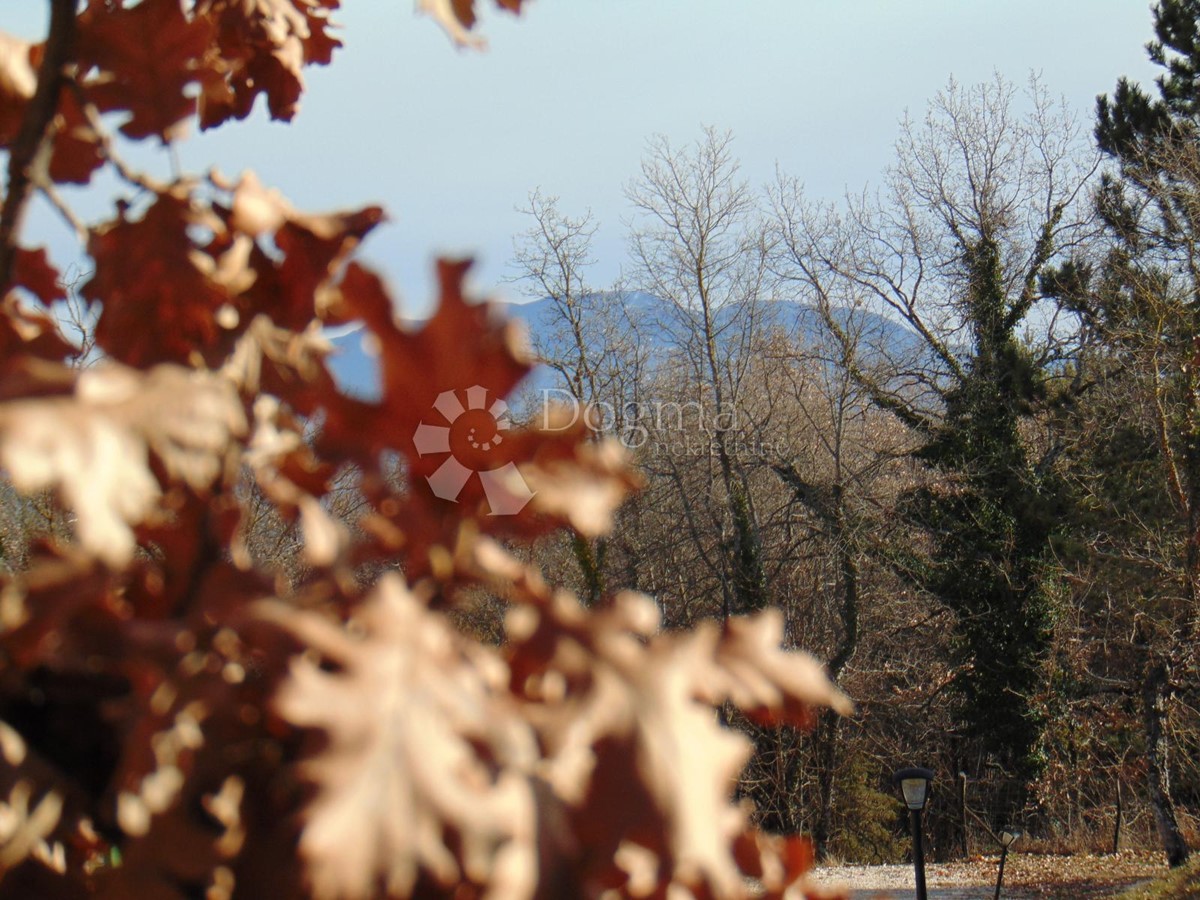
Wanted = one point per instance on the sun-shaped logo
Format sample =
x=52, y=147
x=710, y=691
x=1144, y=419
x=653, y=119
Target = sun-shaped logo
x=472, y=437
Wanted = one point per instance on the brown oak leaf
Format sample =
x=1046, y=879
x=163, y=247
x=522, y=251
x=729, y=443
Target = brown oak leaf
x=626, y=716
x=29, y=335
x=32, y=271
x=574, y=479
x=457, y=18
x=443, y=407
x=40, y=813
x=290, y=284
x=260, y=47
x=771, y=685
x=160, y=295
x=77, y=149
x=293, y=479
x=465, y=359
x=421, y=781
x=18, y=81
x=97, y=446
x=146, y=57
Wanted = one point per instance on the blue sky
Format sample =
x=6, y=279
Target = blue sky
x=450, y=142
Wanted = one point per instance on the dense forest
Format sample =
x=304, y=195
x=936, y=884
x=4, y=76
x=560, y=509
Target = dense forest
x=507, y=631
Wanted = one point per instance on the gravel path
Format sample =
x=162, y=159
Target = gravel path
x=945, y=882
x=1026, y=876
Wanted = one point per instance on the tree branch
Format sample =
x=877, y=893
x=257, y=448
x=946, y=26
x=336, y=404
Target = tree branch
x=35, y=129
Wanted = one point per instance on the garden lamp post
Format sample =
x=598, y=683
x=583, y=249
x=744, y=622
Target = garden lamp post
x=914, y=788
x=1007, y=839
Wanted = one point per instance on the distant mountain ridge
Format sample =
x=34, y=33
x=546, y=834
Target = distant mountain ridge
x=657, y=322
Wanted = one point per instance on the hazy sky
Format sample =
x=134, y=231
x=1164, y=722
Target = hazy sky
x=450, y=142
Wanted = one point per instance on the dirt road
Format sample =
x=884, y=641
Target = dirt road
x=1026, y=876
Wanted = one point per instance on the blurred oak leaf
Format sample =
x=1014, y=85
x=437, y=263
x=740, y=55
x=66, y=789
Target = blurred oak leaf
x=24, y=827
x=97, y=447
x=160, y=299
x=285, y=364
x=631, y=739
x=18, y=81
x=159, y=787
x=464, y=344
x=448, y=378
x=77, y=151
x=39, y=604
x=771, y=685
x=32, y=271
x=294, y=480
x=146, y=57
x=260, y=47
x=421, y=780
x=457, y=18
x=183, y=818
x=290, y=284
x=47, y=831
x=28, y=333
x=578, y=481
x=634, y=753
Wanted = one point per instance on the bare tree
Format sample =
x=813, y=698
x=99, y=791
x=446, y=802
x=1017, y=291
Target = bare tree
x=699, y=244
x=588, y=339
x=552, y=259
x=840, y=454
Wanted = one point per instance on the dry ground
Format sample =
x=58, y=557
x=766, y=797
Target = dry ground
x=1077, y=877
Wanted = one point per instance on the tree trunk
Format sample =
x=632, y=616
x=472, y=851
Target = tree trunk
x=826, y=741
x=1116, y=843
x=829, y=729
x=964, y=834
x=1155, y=687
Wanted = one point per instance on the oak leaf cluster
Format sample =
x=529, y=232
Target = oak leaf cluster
x=177, y=717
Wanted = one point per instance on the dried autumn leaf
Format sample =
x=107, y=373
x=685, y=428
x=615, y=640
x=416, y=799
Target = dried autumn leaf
x=37, y=607
x=293, y=479
x=464, y=344
x=769, y=684
x=626, y=717
x=260, y=47
x=415, y=786
x=457, y=18
x=146, y=57
x=28, y=333
x=23, y=829
x=160, y=299
x=283, y=363
x=290, y=284
x=18, y=81
x=183, y=820
x=443, y=386
x=95, y=447
x=631, y=749
x=32, y=271
x=159, y=789
x=45, y=835
x=77, y=151
x=443, y=408
x=578, y=481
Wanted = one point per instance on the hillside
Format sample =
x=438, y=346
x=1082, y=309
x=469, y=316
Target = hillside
x=657, y=326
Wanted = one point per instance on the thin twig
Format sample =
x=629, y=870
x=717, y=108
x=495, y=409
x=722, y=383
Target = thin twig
x=104, y=139
x=35, y=128
x=51, y=193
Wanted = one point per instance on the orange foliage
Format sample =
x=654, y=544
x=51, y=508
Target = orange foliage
x=233, y=734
